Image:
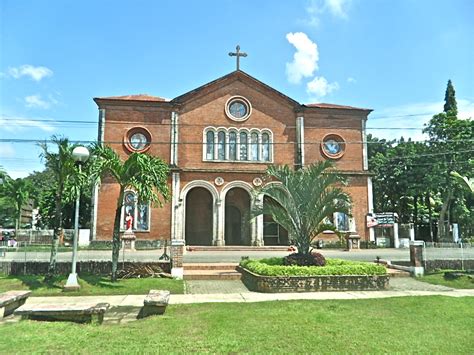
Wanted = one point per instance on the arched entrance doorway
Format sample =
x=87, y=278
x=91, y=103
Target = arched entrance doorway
x=199, y=210
x=237, y=217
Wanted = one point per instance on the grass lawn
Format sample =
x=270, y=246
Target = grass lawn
x=90, y=285
x=396, y=325
x=438, y=279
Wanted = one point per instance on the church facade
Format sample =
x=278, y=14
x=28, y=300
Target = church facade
x=218, y=141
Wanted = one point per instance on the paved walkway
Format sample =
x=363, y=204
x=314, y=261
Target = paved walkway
x=125, y=308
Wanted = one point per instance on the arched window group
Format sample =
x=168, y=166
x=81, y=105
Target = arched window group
x=138, y=210
x=238, y=145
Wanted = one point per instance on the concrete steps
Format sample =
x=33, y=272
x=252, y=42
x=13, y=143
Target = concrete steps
x=191, y=248
x=211, y=271
x=397, y=273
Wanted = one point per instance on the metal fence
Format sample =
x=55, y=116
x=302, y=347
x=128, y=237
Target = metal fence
x=25, y=251
x=448, y=255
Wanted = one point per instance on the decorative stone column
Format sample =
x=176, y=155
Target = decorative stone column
x=218, y=217
x=177, y=251
x=417, y=257
x=256, y=224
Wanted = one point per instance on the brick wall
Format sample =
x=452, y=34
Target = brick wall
x=206, y=107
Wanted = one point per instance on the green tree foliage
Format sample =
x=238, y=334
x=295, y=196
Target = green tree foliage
x=451, y=138
x=64, y=172
x=303, y=199
x=415, y=179
x=450, y=104
x=14, y=192
x=144, y=174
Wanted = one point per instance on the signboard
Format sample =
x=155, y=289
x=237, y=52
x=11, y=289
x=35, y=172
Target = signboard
x=385, y=219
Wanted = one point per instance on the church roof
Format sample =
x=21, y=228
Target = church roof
x=237, y=74
x=139, y=97
x=332, y=106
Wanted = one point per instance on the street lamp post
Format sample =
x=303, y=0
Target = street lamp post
x=80, y=156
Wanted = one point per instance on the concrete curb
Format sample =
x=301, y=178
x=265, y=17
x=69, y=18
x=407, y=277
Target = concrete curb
x=137, y=300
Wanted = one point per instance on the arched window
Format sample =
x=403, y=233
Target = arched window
x=243, y=146
x=266, y=147
x=138, y=210
x=221, y=145
x=210, y=145
x=254, y=146
x=233, y=146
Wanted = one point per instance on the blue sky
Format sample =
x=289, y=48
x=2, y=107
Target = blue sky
x=394, y=56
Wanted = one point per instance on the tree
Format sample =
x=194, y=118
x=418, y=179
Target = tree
x=450, y=103
x=145, y=174
x=62, y=166
x=303, y=200
x=17, y=191
x=448, y=136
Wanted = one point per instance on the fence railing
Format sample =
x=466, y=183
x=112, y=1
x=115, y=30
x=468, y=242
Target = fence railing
x=448, y=255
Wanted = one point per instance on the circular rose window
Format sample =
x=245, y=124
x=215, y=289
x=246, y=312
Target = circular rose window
x=137, y=139
x=238, y=108
x=333, y=146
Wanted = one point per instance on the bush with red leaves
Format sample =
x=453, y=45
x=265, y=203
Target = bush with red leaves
x=313, y=259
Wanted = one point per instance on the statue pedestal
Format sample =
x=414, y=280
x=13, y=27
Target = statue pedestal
x=128, y=240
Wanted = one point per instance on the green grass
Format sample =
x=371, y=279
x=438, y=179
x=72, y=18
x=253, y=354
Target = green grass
x=420, y=325
x=438, y=279
x=90, y=285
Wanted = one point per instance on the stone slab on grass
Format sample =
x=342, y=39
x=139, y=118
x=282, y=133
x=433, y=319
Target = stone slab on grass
x=77, y=313
x=11, y=300
x=155, y=302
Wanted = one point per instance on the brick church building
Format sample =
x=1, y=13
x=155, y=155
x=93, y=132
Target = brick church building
x=218, y=140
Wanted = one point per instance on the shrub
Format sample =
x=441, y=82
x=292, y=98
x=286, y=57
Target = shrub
x=276, y=267
x=299, y=259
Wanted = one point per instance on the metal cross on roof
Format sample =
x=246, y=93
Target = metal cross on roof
x=237, y=54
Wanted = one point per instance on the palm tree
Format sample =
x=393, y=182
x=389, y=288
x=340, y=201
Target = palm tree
x=303, y=200
x=145, y=174
x=16, y=190
x=62, y=166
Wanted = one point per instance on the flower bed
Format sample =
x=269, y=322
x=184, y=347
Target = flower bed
x=270, y=275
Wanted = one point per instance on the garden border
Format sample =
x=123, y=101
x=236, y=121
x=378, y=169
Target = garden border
x=283, y=284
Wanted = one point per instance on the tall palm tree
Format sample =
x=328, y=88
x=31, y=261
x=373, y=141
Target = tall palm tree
x=145, y=174
x=17, y=191
x=62, y=165
x=303, y=200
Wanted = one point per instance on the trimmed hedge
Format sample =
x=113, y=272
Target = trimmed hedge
x=275, y=267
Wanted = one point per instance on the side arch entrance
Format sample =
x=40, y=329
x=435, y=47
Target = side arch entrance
x=199, y=217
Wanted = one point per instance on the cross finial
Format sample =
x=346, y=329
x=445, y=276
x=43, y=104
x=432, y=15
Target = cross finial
x=238, y=54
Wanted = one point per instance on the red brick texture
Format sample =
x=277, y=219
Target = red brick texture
x=205, y=107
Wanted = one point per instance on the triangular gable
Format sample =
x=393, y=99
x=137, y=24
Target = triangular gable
x=235, y=75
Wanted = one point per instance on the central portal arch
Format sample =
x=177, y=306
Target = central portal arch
x=237, y=217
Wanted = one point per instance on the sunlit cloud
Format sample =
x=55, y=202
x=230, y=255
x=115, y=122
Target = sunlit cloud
x=35, y=73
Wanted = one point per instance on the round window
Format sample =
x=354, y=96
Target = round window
x=238, y=108
x=333, y=146
x=137, y=139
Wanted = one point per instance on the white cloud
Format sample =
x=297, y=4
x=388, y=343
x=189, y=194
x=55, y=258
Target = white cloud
x=35, y=73
x=338, y=8
x=35, y=101
x=409, y=120
x=320, y=87
x=305, y=60
x=7, y=150
x=351, y=80
x=15, y=124
x=317, y=8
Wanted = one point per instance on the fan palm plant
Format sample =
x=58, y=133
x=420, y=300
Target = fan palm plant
x=303, y=200
x=145, y=174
